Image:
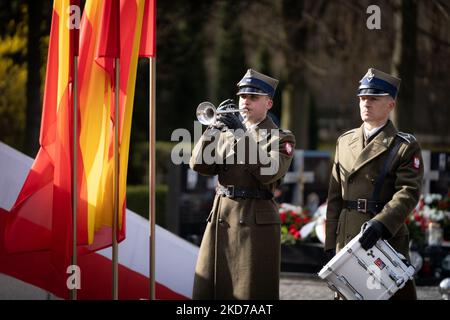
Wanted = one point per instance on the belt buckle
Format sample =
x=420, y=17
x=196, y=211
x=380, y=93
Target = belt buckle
x=222, y=191
x=230, y=191
x=361, y=205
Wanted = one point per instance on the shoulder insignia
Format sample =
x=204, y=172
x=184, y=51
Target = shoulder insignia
x=346, y=133
x=286, y=131
x=406, y=137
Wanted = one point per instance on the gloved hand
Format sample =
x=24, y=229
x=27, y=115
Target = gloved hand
x=374, y=231
x=232, y=121
x=229, y=120
x=226, y=104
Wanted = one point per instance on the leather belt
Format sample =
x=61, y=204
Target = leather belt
x=364, y=205
x=231, y=191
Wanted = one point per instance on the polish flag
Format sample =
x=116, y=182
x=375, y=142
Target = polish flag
x=175, y=257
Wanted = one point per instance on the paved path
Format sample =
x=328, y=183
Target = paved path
x=292, y=287
x=300, y=286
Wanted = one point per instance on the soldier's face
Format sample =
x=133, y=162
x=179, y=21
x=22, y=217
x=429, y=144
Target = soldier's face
x=256, y=105
x=375, y=109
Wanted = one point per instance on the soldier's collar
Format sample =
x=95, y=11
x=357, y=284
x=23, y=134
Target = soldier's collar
x=368, y=133
x=267, y=123
x=388, y=131
x=386, y=134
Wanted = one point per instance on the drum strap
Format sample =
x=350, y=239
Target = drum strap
x=387, y=163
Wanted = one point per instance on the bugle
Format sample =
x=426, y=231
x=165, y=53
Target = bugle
x=207, y=113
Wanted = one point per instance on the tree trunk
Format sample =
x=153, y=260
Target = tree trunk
x=33, y=114
x=231, y=64
x=404, y=62
x=295, y=109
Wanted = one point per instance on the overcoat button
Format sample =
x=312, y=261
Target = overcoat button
x=220, y=220
x=241, y=221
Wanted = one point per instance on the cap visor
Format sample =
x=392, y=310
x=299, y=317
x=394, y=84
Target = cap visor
x=250, y=90
x=252, y=93
x=372, y=94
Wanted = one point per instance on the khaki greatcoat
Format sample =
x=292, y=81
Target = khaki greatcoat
x=354, y=174
x=239, y=256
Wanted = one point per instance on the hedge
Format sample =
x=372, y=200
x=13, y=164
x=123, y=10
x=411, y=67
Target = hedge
x=137, y=201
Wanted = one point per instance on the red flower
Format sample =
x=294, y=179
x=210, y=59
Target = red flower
x=293, y=231
x=424, y=225
x=292, y=221
x=443, y=205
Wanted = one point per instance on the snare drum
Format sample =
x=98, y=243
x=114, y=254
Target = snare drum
x=375, y=274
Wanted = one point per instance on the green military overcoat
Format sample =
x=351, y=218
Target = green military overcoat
x=354, y=174
x=239, y=256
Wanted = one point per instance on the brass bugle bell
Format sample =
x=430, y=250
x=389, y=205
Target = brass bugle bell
x=207, y=113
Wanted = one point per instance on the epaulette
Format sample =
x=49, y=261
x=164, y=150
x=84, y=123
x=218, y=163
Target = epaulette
x=346, y=133
x=406, y=136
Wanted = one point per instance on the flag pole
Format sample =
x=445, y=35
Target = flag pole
x=151, y=170
x=73, y=292
x=115, y=248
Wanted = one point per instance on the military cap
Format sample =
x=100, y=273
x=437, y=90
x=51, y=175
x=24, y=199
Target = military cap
x=378, y=83
x=257, y=83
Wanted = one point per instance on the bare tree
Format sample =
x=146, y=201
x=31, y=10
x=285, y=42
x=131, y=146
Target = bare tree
x=404, y=61
x=298, y=17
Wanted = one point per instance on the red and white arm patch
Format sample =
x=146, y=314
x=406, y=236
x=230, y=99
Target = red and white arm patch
x=287, y=148
x=416, y=162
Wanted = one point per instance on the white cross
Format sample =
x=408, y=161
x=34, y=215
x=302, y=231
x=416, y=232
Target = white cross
x=299, y=177
x=428, y=174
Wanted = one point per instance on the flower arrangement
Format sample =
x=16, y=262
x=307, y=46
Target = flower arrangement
x=432, y=209
x=293, y=218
